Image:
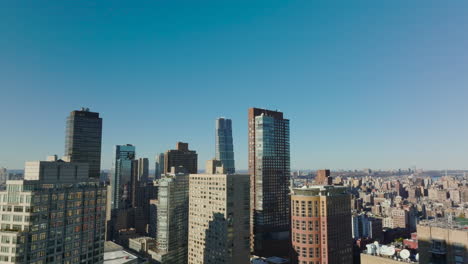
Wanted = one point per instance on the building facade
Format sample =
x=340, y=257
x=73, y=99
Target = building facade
x=143, y=171
x=323, y=177
x=83, y=140
x=181, y=156
x=269, y=168
x=321, y=230
x=224, y=144
x=364, y=226
x=399, y=218
x=55, y=215
x=218, y=219
x=172, y=219
x=159, y=166
x=121, y=176
x=441, y=241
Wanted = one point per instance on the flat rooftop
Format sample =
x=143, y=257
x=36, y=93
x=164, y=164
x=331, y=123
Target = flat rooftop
x=119, y=257
x=455, y=224
x=320, y=190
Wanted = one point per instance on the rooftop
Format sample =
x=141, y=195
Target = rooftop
x=118, y=257
x=141, y=239
x=455, y=224
x=322, y=190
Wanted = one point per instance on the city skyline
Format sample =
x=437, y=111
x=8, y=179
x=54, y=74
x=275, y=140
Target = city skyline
x=366, y=85
x=152, y=158
x=339, y=132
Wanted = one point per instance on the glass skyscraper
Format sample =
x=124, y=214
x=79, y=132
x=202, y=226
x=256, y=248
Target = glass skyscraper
x=159, y=166
x=122, y=176
x=83, y=140
x=224, y=145
x=269, y=170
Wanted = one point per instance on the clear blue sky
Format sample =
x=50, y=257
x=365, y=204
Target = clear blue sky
x=379, y=84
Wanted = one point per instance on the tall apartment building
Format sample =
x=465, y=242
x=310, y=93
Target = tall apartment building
x=442, y=241
x=181, y=156
x=121, y=176
x=269, y=170
x=224, y=144
x=55, y=215
x=143, y=170
x=172, y=219
x=218, y=219
x=159, y=166
x=321, y=230
x=83, y=140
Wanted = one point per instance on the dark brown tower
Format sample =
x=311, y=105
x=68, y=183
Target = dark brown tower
x=181, y=156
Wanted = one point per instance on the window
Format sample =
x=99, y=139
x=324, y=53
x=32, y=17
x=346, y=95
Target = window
x=5, y=239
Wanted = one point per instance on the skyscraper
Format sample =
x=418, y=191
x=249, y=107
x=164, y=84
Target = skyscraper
x=224, y=146
x=143, y=170
x=219, y=218
x=181, y=156
x=269, y=181
x=321, y=225
x=122, y=176
x=172, y=218
x=159, y=166
x=83, y=140
x=55, y=215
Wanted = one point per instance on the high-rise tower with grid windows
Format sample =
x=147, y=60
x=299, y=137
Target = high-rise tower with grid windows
x=269, y=170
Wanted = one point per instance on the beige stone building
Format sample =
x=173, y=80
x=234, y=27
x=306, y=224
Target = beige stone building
x=218, y=219
x=442, y=242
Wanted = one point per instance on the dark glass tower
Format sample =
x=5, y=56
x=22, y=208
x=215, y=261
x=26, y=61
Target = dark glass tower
x=269, y=180
x=159, y=166
x=224, y=145
x=83, y=140
x=123, y=176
